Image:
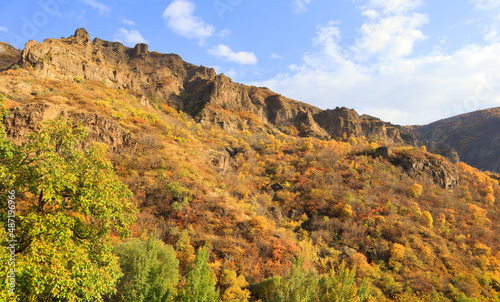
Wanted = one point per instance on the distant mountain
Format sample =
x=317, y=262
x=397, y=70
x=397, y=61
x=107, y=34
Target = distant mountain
x=475, y=136
x=9, y=55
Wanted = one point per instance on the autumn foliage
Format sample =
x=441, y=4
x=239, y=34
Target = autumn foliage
x=265, y=214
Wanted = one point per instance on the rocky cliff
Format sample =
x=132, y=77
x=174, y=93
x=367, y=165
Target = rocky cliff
x=209, y=97
x=23, y=119
x=428, y=169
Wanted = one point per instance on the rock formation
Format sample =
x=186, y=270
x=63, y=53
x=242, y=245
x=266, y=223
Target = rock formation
x=429, y=170
x=198, y=90
x=23, y=119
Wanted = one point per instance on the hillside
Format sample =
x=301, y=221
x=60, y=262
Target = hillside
x=283, y=195
x=8, y=55
x=475, y=136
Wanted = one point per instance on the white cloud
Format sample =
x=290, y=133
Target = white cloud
x=485, y=4
x=128, y=22
x=101, y=7
x=276, y=56
x=415, y=90
x=129, y=37
x=391, y=37
x=225, y=53
x=300, y=6
x=391, y=29
x=2, y=28
x=224, y=33
x=394, y=6
x=179, y=18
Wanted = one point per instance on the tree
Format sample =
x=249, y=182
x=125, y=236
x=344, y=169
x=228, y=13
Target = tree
x=415, y=190
x=200, y=281
x=235, y=287
x=150, y=268
x=299, y=286
x=69, y=201
x=185, y=251
x=341, y=286
x=427, y=220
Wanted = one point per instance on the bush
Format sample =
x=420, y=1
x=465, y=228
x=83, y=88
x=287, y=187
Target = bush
x=78, y=79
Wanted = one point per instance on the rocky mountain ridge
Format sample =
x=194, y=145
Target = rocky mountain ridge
x=195, y=89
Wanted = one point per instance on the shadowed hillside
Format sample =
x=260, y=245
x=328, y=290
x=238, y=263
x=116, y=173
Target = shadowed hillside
x=475, y=136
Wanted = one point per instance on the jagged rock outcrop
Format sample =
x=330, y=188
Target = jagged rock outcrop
x=161, y=76
x=219, y=160
x=343, y=120
x=209, y=97
x=385, y=151
x=23, y=120
x=429, y=170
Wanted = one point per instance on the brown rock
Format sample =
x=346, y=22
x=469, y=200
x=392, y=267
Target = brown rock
x=82, y=36
x=385, y=151
x=24, y=119
x=430, y=170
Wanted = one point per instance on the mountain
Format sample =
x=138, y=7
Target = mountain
x=475, y=136
x=293, y=203
x=195, y=89
x=8, y=55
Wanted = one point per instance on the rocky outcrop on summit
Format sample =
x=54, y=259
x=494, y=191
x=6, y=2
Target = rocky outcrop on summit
x=208, y=97
x=23, y=120
x=155, y=75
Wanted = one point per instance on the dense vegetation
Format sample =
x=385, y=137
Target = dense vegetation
x=236, y=216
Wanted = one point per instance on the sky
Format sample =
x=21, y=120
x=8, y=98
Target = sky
x=404, y=61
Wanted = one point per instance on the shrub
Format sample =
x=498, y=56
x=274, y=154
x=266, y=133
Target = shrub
x=78, y=79
x=415, y=190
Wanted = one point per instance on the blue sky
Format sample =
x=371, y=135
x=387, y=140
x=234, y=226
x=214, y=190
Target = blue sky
x=405, y=61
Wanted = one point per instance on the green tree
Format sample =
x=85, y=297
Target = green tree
x=200, y=281
x=68, y=202
x=341, y=286
x=299, y=286
x=150, y=268
x=306, y=285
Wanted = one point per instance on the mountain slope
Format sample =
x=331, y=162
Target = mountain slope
x=475, y=136
x=238, y=174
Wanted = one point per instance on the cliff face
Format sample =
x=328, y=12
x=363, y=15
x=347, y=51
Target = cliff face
x=161, y=76
x=23, y=119
x=343, y=120
x=429, y=170
x=209, y=97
